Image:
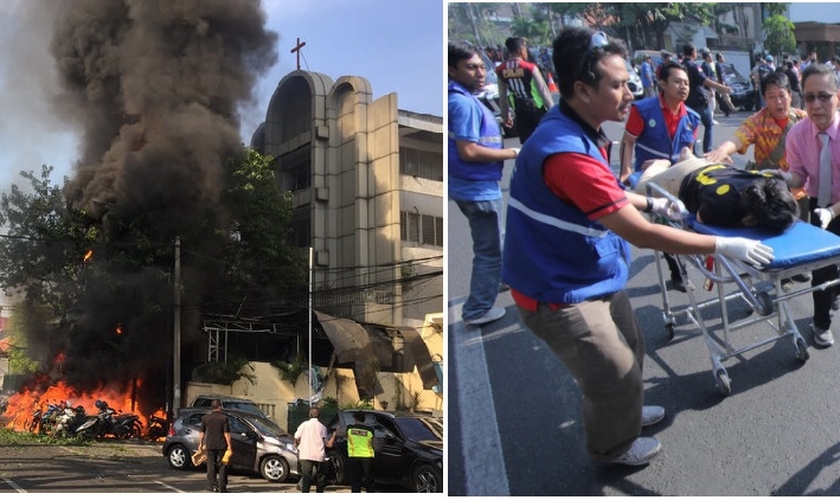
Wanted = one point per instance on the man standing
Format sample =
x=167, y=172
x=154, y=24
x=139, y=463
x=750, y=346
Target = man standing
x=475, y=165
x=311, y=442
x=522, y=90
x=214, y=437
x=724, y=102
x=360, y=454
x=813, y=152
x=697, y=93
x=647, y=77
x=659, y=128
x=573, y=295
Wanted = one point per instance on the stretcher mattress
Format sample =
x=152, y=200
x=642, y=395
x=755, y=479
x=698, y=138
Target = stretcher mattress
x=800, y=244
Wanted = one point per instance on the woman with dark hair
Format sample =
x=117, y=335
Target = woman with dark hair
x=723, y=195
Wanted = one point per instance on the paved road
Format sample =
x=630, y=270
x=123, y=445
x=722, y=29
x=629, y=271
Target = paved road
x=520, y=431
x=113, y=467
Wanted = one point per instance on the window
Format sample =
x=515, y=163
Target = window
x=421, y=229
x=424, y=164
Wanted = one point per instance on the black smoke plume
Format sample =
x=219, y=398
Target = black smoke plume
x=155, y=87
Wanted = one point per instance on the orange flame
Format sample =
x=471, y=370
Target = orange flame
x=88, y=256
x=119, y=330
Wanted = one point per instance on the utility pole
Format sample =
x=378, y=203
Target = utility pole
x=176, y=348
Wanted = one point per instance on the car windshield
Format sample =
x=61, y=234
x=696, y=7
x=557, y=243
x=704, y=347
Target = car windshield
x=241, y=405
x=267, y=427
x=421, y=429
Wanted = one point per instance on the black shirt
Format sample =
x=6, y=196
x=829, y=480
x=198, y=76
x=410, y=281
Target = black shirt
x=696, y=96
x=714, y=194
x=214, y=425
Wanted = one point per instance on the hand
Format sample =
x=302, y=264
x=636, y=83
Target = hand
x=667, y=208
x=515, y=152
x=752, y=252
x=825, y=215
x=716, y=156
x=786, y=176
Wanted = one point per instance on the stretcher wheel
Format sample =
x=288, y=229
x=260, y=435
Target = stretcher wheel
x=670, y=329
x=765, y=303
x=722, y=380
x=802, y=350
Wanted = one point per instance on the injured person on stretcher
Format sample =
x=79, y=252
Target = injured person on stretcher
x=724, y=195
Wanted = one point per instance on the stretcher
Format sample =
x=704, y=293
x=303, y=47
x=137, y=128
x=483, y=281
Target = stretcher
x=801, y=249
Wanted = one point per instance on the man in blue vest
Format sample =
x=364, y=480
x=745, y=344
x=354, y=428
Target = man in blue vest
x=567, y=257
x=476, y=157
x=659, y=128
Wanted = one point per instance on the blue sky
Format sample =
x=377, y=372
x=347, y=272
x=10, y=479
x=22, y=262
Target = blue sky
x=396, y=45
x=828, y=12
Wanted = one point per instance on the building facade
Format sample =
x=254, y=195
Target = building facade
x=367, y=180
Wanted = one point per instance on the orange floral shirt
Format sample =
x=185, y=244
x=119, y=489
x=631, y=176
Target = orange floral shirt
x=763, y=132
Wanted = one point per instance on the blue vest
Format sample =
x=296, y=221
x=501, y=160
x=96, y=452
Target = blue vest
x=553, y=253
x=655, y=143
x=490, y=135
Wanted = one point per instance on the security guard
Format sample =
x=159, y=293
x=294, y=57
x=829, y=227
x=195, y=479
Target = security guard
x=360, y=454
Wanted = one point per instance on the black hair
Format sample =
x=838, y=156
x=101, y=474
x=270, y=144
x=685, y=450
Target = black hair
x=770, y=201
x=689, y=49
x=571, y=50
x=667, y=68
x=515, y=43
x=777, y=78
x=718, y=56
x=460, y=50
x=820, y=69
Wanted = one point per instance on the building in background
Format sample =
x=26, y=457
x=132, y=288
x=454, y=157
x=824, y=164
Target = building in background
x=367, y=180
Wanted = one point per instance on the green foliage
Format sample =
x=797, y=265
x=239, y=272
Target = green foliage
x=329, y=403
x=216, y=372
x=779, y=35
x=365, y=404
x=24, y=319
x=291, y=371
x=9, y=437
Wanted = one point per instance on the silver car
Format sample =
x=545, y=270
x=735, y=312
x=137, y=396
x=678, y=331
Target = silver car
x=259, y=445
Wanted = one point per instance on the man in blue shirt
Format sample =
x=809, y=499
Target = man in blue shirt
x=646, y=75
x=476, y=157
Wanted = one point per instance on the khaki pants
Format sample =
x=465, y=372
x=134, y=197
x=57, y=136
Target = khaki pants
x=600, y=343
x=669, y=178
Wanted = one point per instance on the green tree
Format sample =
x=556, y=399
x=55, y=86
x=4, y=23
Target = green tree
x=779, y=37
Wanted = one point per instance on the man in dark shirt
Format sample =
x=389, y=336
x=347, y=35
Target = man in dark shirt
x=215, y=439
x=697, y=100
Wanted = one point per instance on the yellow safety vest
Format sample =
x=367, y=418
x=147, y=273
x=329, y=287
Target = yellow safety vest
x=359, y=442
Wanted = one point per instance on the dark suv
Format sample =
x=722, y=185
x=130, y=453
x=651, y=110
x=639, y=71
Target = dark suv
x=408, y=448
x=228, y=402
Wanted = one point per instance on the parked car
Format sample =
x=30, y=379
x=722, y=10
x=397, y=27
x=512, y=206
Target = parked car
x=743, y=93
x=635, y=82
x=259, y=445
x=228, y=402
x=408, y=448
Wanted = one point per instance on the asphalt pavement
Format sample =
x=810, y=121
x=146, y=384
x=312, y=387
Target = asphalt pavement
x=516, y=412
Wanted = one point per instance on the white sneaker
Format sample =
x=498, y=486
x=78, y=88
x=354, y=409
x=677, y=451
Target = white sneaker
x=641, y=452
x=652, y=415
x=823, y=337
x=492, y=315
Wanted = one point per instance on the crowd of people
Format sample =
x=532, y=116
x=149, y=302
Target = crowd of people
x=563, y=250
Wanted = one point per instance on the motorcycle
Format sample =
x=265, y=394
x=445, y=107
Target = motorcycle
x=157, y=427
x=69, y=420
x=108, y=422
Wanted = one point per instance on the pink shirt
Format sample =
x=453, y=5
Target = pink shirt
x=802, y=150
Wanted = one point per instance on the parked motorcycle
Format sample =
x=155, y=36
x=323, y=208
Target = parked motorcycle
x=69, y=420
x=109, y=423
x=157, y=427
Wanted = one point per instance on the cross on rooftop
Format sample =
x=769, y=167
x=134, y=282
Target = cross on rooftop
x=297, y=49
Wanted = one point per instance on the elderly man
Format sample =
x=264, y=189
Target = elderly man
x=813, y=153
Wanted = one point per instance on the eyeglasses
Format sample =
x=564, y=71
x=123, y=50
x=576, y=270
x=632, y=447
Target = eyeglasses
x=599, y=39
x=824, y=98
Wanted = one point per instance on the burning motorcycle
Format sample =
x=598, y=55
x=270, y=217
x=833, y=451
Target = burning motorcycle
x=157, y=427
x=109, y=423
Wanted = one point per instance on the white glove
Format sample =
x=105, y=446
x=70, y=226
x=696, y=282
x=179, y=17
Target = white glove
x=825, y=215
x=786, y=176
x=752, y=252
x=667, y=208
x=515, y=152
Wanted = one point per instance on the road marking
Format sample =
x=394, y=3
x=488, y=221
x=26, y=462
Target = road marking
x=170, y=487
x=483, y=458
x=14, y=485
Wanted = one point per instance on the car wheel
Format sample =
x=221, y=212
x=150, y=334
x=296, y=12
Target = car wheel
x=178, y=457
x=426, y=479
x=338, y=462
x=274, y=469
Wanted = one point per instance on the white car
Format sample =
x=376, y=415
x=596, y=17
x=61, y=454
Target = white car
x=635, y=82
